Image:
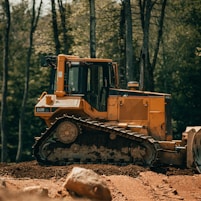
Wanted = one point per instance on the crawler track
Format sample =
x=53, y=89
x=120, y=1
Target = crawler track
x=97, y=142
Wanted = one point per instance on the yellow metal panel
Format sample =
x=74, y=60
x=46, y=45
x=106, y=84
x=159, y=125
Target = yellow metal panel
x=157, y=117
x=157, y=104
x=112, y=108
x=92, y=112
x=133, y=108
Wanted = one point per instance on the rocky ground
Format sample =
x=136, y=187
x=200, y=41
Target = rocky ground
x=126, y=183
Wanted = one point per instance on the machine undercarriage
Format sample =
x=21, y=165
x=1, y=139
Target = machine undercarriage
x=76, y=140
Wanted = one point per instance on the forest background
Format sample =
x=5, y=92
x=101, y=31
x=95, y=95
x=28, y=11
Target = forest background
x=163, y=36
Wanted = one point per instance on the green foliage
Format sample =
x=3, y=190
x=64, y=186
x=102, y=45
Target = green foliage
x=178, y=70
x=108, y=15
x=107, y=31
x=17, y=61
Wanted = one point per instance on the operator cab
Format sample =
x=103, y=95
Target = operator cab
x=89, y=78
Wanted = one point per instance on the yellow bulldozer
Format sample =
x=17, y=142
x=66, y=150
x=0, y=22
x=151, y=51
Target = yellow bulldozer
x=91, y=120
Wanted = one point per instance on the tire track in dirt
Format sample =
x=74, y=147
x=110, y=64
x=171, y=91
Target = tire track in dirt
x=159, y=187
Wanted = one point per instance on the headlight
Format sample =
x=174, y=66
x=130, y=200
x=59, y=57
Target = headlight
x=42, y=109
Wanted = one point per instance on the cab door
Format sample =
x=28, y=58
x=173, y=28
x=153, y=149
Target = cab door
x=97, y=87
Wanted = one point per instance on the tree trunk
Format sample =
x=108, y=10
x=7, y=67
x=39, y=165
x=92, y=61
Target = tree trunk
x=56, y=42
x=55, y=28
x=122, y=45
x=63, y=24
x=160, y=32
x=145, y=11
x=4, y=154
x=146, y=66
x=92, y=29
x=34, y=22
x=129, y=42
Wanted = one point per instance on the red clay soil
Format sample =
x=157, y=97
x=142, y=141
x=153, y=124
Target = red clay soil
x=126, y=183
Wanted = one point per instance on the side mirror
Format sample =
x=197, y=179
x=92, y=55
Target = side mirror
x=48, y=60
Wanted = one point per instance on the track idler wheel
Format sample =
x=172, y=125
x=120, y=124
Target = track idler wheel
x=67, y=132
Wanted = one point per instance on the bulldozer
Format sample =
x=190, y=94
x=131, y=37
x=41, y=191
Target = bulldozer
x=90, y=119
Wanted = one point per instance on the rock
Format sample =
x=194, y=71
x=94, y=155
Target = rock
x=37, y=190
x=86, y=183
x=2, y=183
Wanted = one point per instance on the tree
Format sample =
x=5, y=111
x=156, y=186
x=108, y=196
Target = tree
x=122, y=39
x=147, y=65
x=186, y=89
x=106, y=29
x=55, y=28
x=129, y=42
x=127, y=67
x=34, y=22
x=65, y=13
x=64, y=28
x=4, y=154
x=92, y=29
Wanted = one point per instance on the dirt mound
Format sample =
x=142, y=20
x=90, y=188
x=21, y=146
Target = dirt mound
x=126, y=183
x=33, y=170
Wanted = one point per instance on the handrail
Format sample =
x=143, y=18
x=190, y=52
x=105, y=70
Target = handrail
x=42, y=95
